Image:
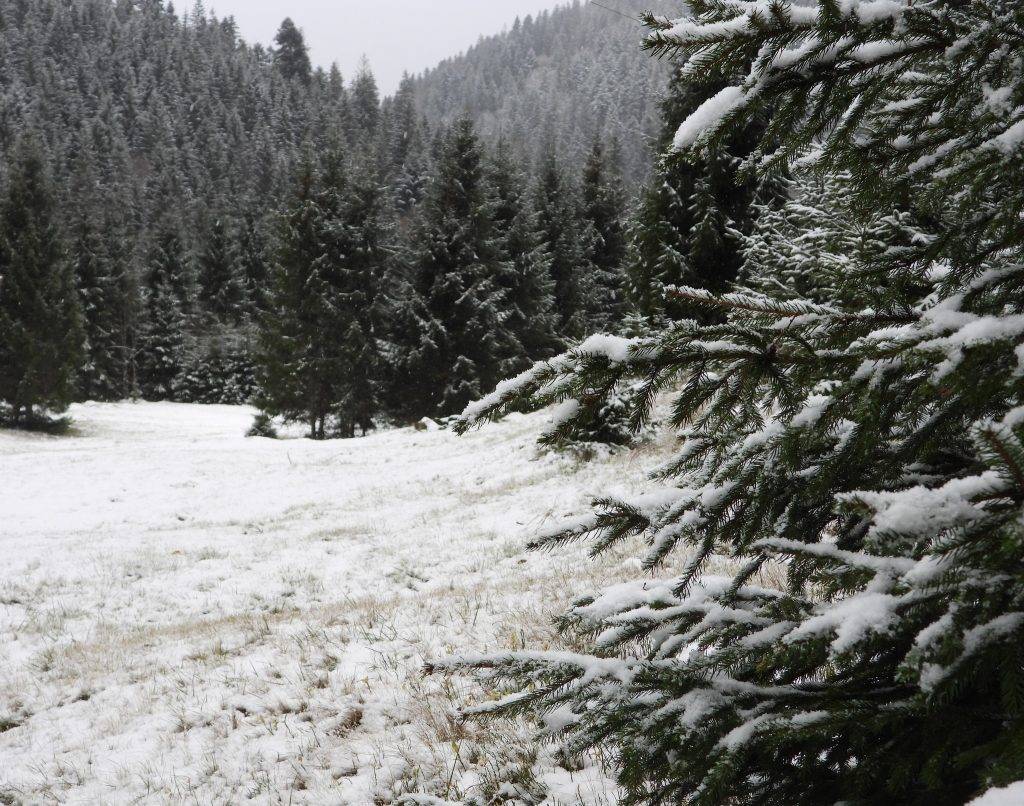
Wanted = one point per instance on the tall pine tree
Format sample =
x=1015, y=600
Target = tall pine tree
x=526, y=274
x=457, y=273
x=169, y=292
x=291, y=57
x=559, y=217
x=688, y=228
x=40, y=317
x=361, y=248
x=221, y=288
x=320, y=338
x=604, y=211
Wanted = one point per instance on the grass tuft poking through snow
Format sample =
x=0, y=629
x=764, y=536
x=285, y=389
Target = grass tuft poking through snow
x=188, y=615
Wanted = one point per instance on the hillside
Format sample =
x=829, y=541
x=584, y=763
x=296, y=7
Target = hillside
x=563, y=77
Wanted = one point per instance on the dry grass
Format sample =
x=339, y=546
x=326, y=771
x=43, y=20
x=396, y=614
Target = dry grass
x=304, y=688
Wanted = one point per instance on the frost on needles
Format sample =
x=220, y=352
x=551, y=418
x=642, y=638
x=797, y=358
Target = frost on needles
x=856, y=424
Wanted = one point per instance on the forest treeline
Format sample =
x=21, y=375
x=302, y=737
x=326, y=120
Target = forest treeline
x=240, y=226
x=229, y=216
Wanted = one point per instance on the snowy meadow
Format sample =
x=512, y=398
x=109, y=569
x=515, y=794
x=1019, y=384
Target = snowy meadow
x=191, y=616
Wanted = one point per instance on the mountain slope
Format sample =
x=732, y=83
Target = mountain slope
x=561, y=78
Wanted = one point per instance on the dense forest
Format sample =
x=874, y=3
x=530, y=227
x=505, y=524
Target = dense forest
x=191, y=178
x=562, y=77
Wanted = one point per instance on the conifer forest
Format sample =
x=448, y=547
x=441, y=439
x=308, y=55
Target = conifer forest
x=627, y=409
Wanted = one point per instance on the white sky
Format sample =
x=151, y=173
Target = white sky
x=396, y=35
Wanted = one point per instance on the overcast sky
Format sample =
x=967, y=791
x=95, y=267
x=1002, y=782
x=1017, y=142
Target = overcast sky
x=396, y=35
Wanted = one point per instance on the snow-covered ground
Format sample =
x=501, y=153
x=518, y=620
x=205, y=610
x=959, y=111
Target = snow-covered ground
x=188, y=616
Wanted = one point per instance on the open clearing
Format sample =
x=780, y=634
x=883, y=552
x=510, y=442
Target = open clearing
x=189, y=616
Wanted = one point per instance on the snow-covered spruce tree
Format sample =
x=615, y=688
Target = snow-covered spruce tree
x=40, y=317
x=810, y=245
x=100, y=258
x=221, y=286
x=871, y=451
x=604, y=211
x=457, y=267
x=165, y=338
x=318, y=351
x=526, y=272
x=299, y=362
x=687, y=227
x=558, y=211
x=253, y=247
x=291, y=56
x=361, y=246
x=164, y=343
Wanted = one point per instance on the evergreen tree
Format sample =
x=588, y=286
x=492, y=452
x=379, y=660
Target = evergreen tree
x=291, y=57
x=320, y=351
x=300, y=366
x=365, y=107
x=164, y=343
x=402, y=135
x=559, y=218
x=221, y=289
x=361, y=248
x=412, y=354
x=526, y=276
x=169, y=265
x=252, y=260
x=811, y=245
x=688, y=228
x=106, y=292
x=40, y=318
x=165, y=338
x=868, y=448
x=457, y=273
x=604, y=211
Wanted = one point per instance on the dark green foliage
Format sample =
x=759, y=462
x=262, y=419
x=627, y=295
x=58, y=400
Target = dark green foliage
x=320, y=352
x=223, y=373
x=299, y=359
x=609, y=424
x=175, y=145
x=40, y=318
x=362, y=248
x=253, y=259
x=263, y=426
x=164, y=343
x=457, y=271
x=291, y=57
x=365, y=105
x=526, y=273
x=169, y=266
x=413, y=356
x=221, y=288
x=604, y=210
x=107, y=293
x=144, y=117
x=859, y=455
x=688, y=228
x=558, y=214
